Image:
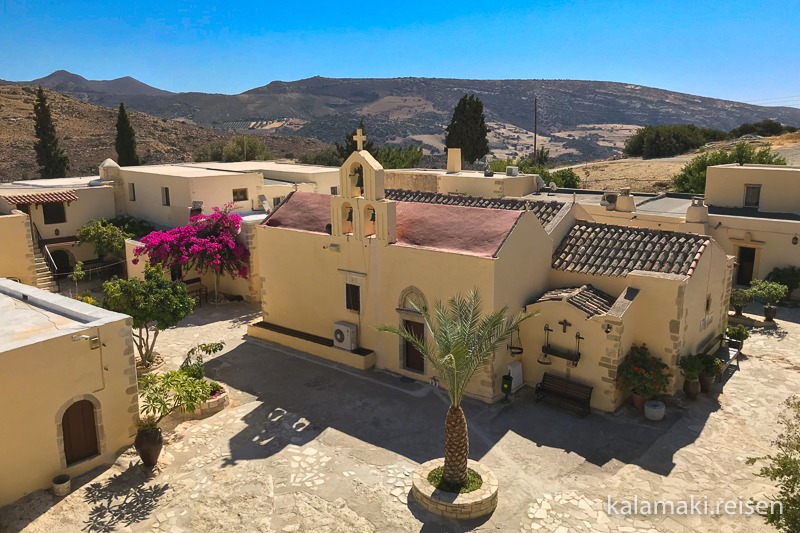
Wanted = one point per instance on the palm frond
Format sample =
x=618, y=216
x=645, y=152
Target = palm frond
x=462, y=339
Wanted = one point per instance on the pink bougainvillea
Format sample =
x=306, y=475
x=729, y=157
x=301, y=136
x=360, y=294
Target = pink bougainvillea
x=208, y=242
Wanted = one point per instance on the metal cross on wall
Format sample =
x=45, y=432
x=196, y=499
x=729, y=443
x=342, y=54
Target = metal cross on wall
x=565, y=324
x=359, y=138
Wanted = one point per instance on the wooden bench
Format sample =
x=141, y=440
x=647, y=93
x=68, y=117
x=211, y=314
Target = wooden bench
x=727, y=355
x=570, y=392
x=196, y=290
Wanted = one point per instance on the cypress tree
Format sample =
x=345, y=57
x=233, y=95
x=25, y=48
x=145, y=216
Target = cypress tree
x=51, y=158
x=126, y=140
x=350, y=146
x=467, y=129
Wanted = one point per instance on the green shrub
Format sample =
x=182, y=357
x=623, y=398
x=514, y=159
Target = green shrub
x=692, y=177
x=327, y=157
x=737, y=332
x=789, y=276
x=741, y=297
x=711, y=365
x=691, y=366
x=193, y=365
x=768, y=292
x=669, y=140
x=642, y=373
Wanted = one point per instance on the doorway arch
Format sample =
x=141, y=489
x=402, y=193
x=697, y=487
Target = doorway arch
x=79, y=432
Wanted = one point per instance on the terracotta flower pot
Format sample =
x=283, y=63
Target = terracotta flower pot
x=148, y=445
x=691, y=387
x=638, y=400
x=706, y=381
x=769, y=313
x=737, y=310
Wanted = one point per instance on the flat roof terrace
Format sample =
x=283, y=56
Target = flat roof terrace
x=29, y=315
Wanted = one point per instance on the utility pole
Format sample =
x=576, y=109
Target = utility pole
x=535, y=124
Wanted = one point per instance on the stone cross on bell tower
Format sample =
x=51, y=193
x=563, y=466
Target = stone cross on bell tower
x=359, y=138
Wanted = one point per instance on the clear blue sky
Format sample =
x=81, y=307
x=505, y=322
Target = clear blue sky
x=740, y=50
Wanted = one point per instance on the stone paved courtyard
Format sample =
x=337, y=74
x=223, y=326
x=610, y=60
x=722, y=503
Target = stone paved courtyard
x=309, y=446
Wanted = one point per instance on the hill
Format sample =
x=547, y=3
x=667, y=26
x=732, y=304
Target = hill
x=87, y=132
x=578, y=120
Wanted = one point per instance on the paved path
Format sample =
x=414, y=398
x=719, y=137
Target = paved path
x=309, y=446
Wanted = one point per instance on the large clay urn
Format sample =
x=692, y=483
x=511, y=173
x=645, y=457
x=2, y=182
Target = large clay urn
x=148, y=445
x=691, y=387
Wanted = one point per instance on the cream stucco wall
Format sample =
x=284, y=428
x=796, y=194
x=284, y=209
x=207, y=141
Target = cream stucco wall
x=213, y=190
x=17, y=259
x=780, y=186
x=52, y=372
x=475, y=184
x=772, y=240
x=93, y=203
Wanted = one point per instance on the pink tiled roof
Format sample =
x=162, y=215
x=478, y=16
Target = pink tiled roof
x=49, y=197
x=450, y=228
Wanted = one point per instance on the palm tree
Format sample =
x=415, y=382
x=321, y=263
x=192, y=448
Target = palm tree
x=462, y=344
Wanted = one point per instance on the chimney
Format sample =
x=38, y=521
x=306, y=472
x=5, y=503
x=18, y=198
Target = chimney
x=453, y=160
x=697, y=212
x=625, y=202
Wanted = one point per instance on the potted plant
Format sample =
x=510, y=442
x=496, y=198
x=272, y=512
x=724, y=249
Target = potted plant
x=739, y=299
x=712, y=367
x=691, y=366
x=769, y=293
x=161, y=395
x=642, y=374
x=736, y=336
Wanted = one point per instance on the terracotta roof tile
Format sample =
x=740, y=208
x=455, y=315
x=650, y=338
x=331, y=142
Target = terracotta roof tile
x=610, y=250
x=586, y=298
x=545, y=211
x=50, y=197
x=448, y=228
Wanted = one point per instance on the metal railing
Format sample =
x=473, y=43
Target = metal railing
x=48, y=258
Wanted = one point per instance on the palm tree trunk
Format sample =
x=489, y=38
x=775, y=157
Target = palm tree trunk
x=456, y=447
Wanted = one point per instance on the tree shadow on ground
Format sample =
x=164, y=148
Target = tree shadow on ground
x=237, y=313
x=301, y=397
x=122, y=500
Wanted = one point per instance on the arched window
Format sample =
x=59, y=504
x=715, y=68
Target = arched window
x=347, y=219
x=357, y=179
x=80, y=432
x=370, y=221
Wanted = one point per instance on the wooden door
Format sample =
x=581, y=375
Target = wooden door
x=414, y=359
x=80, y=431
x=747, y=261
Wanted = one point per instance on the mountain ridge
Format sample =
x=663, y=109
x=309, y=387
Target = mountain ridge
x=578, y=119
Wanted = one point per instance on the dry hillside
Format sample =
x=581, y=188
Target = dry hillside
x=87, y=133
x=655, y=175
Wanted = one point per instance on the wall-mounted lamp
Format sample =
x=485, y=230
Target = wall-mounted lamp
x=794, y=240
x=608, y=328
x=544, y=359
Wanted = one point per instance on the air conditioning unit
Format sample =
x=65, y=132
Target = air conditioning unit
x=512, y=171
x=515, y=371
x=345, y=336
x=609, y=199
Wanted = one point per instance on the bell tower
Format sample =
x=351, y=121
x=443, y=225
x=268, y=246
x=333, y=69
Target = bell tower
x=361, y=210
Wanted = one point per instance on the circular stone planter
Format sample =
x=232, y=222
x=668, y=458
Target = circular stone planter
x=208, y=407
x=62, y=484
x=654, y=410
x=475, y=504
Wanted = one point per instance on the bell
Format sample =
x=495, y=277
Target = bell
x=372, y=217
x=349, y=216
x=360, y=180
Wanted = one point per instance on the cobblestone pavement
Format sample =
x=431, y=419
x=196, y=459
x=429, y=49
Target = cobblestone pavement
x=309, y=446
